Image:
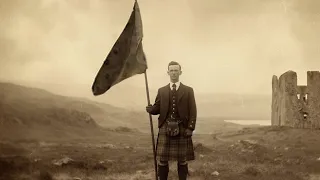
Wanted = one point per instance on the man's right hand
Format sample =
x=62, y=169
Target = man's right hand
x=149, y=108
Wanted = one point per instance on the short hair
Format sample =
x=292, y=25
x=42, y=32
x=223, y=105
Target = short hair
x=174, y=63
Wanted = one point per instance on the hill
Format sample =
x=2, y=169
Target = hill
x=33, y=112
x=36, y=112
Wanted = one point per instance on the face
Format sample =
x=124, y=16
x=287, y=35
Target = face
x=174, y=72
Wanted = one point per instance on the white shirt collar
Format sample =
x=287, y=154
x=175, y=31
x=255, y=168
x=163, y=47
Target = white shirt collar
x=177, y=85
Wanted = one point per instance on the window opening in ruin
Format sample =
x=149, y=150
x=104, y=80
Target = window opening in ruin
x=305, y=97
x=298, y=95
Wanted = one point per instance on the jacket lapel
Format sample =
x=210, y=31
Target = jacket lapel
x=181, y=92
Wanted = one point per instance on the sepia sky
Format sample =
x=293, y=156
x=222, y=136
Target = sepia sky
x=222, y=45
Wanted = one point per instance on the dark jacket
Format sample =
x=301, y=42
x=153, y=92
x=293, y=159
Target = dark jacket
x=186, y=105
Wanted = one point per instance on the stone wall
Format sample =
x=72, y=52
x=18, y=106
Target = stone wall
x=313, y=84
x=293, y=105
x=275, y=119
x=302, y=94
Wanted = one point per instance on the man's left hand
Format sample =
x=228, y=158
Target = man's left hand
x=188, y=132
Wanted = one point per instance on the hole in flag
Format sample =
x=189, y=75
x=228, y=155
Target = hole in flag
x=115, y=51
x=106, y=62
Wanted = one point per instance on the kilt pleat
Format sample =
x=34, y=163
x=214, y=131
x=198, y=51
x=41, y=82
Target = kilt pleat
x=178, y=148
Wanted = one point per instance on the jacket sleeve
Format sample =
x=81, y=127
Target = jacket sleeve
x=156, y=106
x=192, y=111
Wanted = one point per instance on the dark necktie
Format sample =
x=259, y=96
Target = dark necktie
x=174, y=87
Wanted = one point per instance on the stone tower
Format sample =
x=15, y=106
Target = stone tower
x=293, y=105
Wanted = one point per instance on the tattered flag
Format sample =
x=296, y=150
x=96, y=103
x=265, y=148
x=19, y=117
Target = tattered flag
x=126, y=57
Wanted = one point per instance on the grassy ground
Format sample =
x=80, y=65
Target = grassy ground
x=265, y=153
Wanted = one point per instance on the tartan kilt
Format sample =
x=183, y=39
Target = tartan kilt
x=178, y=148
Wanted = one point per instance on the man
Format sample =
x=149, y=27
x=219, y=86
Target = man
x=174, y=103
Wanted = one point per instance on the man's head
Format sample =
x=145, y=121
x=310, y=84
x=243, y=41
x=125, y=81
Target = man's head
x=174, y=71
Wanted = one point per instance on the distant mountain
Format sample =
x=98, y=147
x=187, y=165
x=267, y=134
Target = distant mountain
x=221, y=105
x=122, y=95
x=235, y=106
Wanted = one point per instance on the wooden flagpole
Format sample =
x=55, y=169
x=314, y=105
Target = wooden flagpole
x=151, y=125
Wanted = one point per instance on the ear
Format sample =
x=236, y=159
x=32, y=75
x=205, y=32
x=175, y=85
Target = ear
x=180, y=73
x=168, y=72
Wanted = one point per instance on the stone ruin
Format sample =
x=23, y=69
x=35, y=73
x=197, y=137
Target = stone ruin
x=293, y=105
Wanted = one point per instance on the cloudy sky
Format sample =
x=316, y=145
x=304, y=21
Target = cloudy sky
x=222, y=45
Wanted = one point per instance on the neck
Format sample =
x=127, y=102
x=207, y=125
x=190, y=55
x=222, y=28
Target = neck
x=174, y=81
